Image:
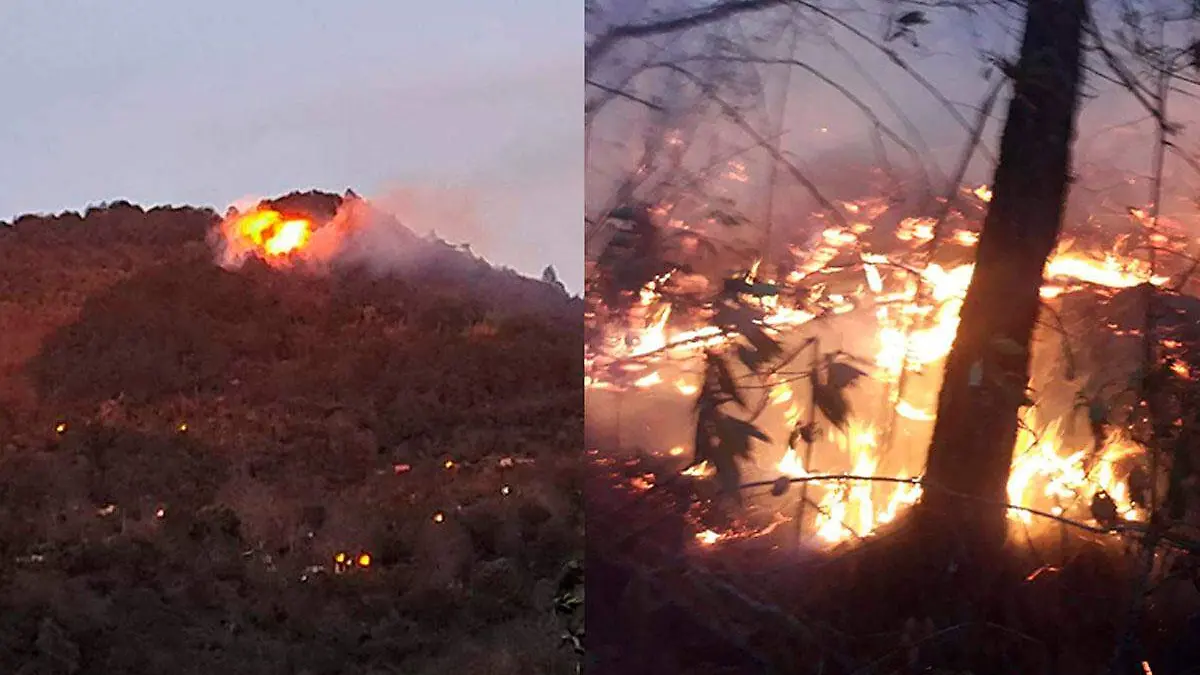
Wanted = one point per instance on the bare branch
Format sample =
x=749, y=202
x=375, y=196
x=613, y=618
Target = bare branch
x=589, y=107
x=1125, y=78
x=895, y=59
x=741, y=121
x=897, y=110
x=711, y=14
x=846, y=93
x=985, y=111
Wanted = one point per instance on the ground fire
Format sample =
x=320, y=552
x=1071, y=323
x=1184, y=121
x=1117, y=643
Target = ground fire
x=892, y=337
x=904, y=316
x=871, y=303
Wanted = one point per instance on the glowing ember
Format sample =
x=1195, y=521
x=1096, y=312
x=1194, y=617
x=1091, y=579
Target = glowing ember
x=708, y=537
x=966, y=237
x=1109, y=271
x=686, y=388
x=649, y=380
x=643, y=482
x=909, y=411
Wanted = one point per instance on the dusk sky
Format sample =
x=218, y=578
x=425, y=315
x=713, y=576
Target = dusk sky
x=206, y=103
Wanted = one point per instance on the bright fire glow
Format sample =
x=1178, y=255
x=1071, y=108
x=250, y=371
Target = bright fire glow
x=267, y=233
x=916, y=312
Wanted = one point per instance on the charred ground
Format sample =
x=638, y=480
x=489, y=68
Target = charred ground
x=182, y=444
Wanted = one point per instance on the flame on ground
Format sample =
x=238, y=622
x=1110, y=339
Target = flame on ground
x=266, y=233
x=853, y=508
x=1045, y=476
x=917, y=315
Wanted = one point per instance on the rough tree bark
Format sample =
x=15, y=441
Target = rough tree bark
x=987, y=371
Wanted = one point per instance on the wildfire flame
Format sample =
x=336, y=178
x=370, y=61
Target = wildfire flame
x=267, y=233
x=282, y=240
x=916, y=309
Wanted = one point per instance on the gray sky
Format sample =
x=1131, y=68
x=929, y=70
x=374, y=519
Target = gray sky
x=205, y=103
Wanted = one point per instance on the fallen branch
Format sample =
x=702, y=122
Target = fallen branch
x=845, y=477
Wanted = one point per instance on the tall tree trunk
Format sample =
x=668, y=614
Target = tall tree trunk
x=987, y=371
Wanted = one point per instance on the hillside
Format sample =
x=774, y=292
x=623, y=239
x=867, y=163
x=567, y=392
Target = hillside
x=185, y=451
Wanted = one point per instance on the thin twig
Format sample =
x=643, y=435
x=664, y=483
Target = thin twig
x=841, y=89
x=739, y=119
x=623, y=94
x=714, y=13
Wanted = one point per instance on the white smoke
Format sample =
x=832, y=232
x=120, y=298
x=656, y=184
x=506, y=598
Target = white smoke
x=450, y=212
x=382, y=234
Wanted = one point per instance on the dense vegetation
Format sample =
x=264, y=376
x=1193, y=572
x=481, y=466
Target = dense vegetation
x=185, y=450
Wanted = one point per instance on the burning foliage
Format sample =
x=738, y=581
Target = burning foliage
x=278, y=462
x=870, y=290
x=805, y=388
x=267, y=233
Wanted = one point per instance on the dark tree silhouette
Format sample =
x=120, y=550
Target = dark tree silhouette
x=987, y=372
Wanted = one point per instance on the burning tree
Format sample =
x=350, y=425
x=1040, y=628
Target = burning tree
x=945, y=283
x=987, y=372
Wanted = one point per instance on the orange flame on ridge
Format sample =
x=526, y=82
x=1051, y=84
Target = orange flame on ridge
x=267, y=233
